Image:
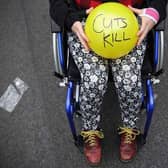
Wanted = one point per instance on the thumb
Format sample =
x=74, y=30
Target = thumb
x=83, y=35
x=89, y=10
x=135, y=10
x=142, y=28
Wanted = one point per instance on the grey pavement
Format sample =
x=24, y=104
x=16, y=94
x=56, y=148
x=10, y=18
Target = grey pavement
x=36, y=134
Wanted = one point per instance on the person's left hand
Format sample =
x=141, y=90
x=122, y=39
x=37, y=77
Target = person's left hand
x=146, y=26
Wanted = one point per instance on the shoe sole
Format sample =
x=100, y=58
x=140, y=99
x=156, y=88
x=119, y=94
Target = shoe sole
x=126, y=161
x=93, y=164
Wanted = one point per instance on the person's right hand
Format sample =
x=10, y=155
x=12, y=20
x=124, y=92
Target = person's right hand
x=77, y=28
x=89, y=10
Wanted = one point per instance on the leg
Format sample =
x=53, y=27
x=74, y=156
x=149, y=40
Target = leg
x=94, y=75
x=127, y=78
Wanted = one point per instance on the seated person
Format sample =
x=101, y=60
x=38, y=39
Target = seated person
x=94, y=71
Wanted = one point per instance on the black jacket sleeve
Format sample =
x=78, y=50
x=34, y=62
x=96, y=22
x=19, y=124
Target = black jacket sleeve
x=58, y=11
x=64, y=13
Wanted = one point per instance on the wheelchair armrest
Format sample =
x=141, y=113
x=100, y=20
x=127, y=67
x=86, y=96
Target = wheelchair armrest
x=160, y=26
x=159, y=47
x=55, y=28
x=158, y=51
x=59, y=53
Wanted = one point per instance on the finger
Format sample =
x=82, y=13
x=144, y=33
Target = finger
x=140, y=31
x=140, y=40
x=142, y=28
x=83, y=35
x=83, y=42
x=89, y=10
x=142, y=37
x=135, y=10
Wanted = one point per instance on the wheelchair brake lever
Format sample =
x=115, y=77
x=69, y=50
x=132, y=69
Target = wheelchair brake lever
x=64, y=82
x=155, y=81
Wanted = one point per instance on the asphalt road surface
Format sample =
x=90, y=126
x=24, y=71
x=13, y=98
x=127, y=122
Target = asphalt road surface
x=36, y=134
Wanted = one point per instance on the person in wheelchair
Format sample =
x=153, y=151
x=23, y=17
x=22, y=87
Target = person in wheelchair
x=94, y=71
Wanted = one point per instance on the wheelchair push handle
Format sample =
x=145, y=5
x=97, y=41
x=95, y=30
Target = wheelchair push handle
x=55, y=28
x=160, y=26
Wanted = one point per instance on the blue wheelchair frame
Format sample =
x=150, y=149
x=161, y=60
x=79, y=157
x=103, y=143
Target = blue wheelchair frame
x=72, y=101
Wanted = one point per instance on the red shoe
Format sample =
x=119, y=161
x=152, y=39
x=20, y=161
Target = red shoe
x=92, y=146
x=128, y=144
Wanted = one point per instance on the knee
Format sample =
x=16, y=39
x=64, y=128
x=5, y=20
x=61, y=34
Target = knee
x=96, y=80
x=128, y=81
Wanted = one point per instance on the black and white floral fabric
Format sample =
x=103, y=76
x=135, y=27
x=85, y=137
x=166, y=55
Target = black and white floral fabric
x=94, y=76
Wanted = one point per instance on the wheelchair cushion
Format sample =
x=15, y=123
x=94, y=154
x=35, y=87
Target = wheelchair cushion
x=73, y=72
x=148, y=63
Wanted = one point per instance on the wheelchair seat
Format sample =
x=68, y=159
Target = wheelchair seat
x=65, y=68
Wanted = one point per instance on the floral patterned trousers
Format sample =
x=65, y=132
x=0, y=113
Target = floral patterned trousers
x=94, y=76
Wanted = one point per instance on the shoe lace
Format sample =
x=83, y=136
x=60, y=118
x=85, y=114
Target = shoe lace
x=129, y=134
x=90, y=136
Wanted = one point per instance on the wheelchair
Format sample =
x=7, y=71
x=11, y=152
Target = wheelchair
x=66, y=70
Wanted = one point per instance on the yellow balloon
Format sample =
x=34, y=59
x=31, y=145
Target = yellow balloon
x=112, y=30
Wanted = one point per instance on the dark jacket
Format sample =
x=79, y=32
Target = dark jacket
x=65, y=14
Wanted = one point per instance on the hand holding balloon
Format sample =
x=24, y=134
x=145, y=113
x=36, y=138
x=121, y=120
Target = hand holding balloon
x=147, y=24
x=77, y=28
